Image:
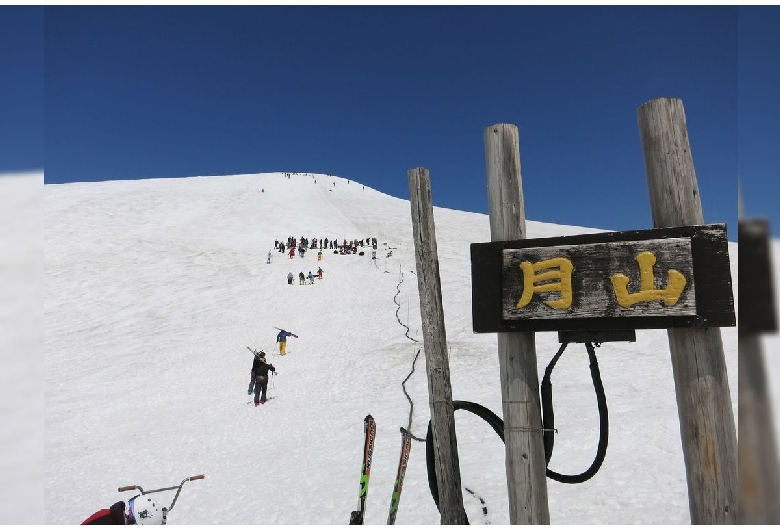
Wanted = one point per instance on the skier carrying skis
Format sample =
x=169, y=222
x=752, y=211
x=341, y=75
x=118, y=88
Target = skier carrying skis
x=281, y=338
x=259, y=380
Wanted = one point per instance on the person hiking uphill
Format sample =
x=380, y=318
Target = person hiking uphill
x=259, y=380
x=281, y=338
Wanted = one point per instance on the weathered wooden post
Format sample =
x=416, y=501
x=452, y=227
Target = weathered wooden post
x=525, y=462
x=759, y=469
x=698, y=362
x=435, y=345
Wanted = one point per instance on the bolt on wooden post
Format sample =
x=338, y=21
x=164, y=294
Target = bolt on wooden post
x=435, y=345
x=525, y=462
x=698, y=363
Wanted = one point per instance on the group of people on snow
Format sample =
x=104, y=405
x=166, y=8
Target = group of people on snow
x=321, y=244
x=302, y=278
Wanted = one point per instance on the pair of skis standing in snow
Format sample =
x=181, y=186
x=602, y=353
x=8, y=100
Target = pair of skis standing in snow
x=369, y=426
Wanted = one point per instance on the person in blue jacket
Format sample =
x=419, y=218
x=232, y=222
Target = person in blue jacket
x=281, y=338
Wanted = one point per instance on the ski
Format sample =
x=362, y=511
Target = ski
x=290, y=332
x=406, y=447
x=369, y=427
x=256, y=353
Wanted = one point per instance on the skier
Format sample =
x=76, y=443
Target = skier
x=281, y=338
x=259, y=380
x=289, y=278
x=319, y=272
x=319, y=256
x=310, y=277
x=292, y=252
x=269, y=257
x=301, y=278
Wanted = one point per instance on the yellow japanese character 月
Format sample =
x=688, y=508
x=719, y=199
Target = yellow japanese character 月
x=532, y=276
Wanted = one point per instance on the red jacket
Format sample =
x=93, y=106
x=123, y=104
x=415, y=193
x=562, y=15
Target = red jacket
x=113, y=515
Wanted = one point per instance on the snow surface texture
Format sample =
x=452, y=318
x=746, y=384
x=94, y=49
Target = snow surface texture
x=155, y=288
x=21, y=348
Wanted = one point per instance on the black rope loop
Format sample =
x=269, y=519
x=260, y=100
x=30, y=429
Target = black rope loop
x=548, y=419
x=430, y=459
x=548, y=425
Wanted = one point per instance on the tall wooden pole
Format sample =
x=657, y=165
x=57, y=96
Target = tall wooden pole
x=759, y=466
x=437, y=365
x=707, y=428
x=525, y=462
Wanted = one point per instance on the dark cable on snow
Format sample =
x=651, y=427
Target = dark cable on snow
x=411, y=403
x=403, y=383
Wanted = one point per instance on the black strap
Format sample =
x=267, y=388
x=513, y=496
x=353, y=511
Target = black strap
x=548, y=425
x=475, y=408
x=548, y=419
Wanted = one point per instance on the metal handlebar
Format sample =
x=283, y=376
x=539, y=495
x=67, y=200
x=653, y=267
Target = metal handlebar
x=177, y=488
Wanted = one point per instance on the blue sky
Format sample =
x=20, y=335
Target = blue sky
x=368, y=93
x=759, y=112
x=21, y=88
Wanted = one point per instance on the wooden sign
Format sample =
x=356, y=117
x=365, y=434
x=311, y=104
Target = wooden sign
x=757, y=313
x=660, y=278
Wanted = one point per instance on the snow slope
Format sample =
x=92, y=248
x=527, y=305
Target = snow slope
x=154, y=289
x=21, y=348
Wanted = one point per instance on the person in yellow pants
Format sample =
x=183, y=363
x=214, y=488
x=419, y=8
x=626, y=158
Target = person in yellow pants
x=281, y=338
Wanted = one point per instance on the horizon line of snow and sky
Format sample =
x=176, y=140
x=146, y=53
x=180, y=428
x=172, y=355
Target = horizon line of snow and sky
x=367, y=93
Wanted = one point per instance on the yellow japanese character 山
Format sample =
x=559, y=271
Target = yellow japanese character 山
x=532, y=277
x=647, y=292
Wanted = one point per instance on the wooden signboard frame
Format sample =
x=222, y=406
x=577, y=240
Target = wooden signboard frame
x=507, y=298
